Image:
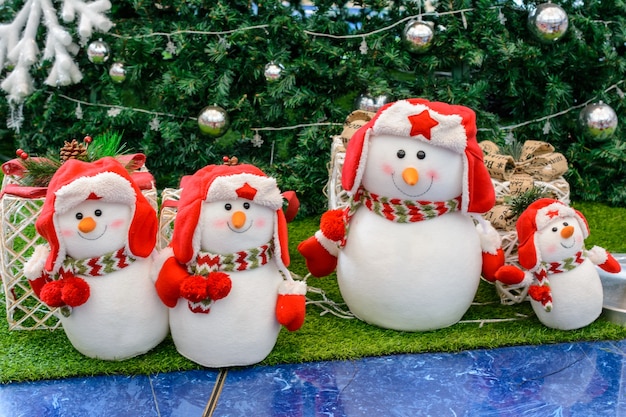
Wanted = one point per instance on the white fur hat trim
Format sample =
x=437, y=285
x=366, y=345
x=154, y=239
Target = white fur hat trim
x=108, y=186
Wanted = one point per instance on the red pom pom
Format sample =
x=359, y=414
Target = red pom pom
x=332, y=225
x=194, y=288
x=540, y=293
x=219, y=285
x=51, y=294
x=75, y=291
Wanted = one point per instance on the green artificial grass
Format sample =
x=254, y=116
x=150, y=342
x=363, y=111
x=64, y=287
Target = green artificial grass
x=43, y=354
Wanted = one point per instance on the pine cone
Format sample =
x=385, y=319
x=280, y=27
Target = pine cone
x=73, y=150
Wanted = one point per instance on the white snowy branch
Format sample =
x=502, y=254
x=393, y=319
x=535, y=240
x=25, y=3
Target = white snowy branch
x=19, y=47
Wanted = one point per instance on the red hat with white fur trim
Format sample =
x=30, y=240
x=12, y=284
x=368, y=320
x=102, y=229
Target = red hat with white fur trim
x=220, y=183
x=450, y=126
x=108, y=181
x=535, y=218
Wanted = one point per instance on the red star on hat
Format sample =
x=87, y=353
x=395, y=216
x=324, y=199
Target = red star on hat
x=552, y=214
x=246, y=191
x=422, y=123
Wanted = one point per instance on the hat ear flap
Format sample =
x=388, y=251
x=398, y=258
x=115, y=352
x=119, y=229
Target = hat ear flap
x=185, y=226
x=583, y=223
x=282, y=237
x=45, y=227
x=355, y=155
x=144, y=227
x=480, y=191
x=527, y=254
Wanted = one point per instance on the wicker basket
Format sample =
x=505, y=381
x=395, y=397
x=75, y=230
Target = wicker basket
x=18, y=238
x=337, y=196
x=169, y=204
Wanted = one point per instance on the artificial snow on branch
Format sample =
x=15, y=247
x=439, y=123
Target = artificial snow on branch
x=19, y=44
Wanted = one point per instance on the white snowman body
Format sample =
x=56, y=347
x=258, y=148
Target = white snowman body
x=414, y=276
x=240, y=329
x=123, y=316
x=577, y=294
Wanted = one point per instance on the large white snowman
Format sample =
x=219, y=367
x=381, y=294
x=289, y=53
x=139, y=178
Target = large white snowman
x=407, y=253
x=101, y=233
x=565, y=288
x=225, y=275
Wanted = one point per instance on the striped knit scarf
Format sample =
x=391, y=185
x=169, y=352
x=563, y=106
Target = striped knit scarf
x=404, y=211
x=541, y=292
x=207, y=262
x=98, y=266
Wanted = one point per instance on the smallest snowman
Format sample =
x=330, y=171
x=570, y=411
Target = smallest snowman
x=96, y=269
x=224, y=275
x=565, y=288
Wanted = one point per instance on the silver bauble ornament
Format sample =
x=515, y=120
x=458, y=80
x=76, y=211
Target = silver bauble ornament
x=213, y=121
x=366, y=102
x=599, y=120
x=273, y=71
x=117, y=72
x=548, y=22
x=419, y=36
x=98, y=52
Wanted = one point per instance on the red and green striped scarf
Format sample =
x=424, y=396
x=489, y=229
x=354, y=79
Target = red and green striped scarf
x=207, y=262
x=541, y=291
x=97, y=266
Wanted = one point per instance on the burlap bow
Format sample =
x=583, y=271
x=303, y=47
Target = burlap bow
x=538, y=165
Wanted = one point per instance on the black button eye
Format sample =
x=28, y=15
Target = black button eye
x=98, y=213
x=555, y=229
x=565, y=224
x=246, y=205
x=401, y=154
x=79, y=216
x=228, y=206
x=421, y=155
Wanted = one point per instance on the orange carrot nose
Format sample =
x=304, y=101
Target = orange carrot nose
x=86, y=225
x=567, y=231
x=410, y=176
x=238, y=219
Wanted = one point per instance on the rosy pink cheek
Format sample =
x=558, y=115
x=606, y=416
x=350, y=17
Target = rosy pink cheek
x=116, y=224
x=220, y=223
x=432, y=174
x=67, y=233
x=260, y=223
x=387, y=169
x=551, y=249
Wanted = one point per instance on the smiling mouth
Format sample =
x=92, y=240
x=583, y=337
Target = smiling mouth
x=94, y=238
x=568, y=247
x=240, y=230
x=411, y=195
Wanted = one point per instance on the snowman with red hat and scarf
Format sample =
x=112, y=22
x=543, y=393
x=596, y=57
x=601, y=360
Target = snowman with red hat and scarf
x=224, y=275
x=407, y=249
x=564, y=285
x=96, y=269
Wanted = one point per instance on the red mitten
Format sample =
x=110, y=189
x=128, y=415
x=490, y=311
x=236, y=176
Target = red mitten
x=291, y=304
x=611, y=264
x=38, y=284
x=492, y=264
x=170, y=277
x=509, y=275
x=218, y=285
x=50, y=294
x=320, y=251
x=194, y=288
x=75, y=291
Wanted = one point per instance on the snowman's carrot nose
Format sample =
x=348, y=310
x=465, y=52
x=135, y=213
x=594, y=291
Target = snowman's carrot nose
x=410, y=176
x=238, y=219
x=86, y=225
x=567, y=231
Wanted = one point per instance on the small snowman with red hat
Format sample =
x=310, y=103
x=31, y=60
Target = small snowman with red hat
x=224, y=275
x=407, y=249
x=564, y=285
x=96, y=268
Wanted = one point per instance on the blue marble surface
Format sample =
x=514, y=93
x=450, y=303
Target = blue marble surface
x=579, y=379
